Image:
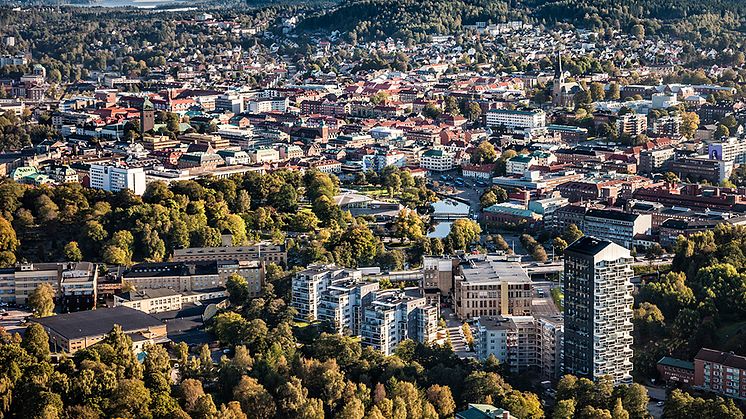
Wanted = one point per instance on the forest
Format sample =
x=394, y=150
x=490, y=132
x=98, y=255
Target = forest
x=709, y=23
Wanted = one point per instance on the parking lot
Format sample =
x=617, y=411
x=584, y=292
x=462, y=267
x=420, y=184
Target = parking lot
x=13, y=320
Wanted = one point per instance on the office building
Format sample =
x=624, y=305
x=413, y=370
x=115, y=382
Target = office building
x=656, y=160
x=616, y=226
x=437, y=160
x=438, y=274
x=598, y=310
x=731, y=149
x=267, y=252
x=703, y=168
x=74, y=283
x=488, y=285
x=194, y=276
x=115, y=178
x=160, y=300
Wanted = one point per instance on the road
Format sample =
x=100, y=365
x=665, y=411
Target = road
x=543, y=305
x=657, y=395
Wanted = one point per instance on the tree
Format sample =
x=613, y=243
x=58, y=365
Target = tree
x=571, y=234
x=618, y=412
x=130, y=399
x=463, y=232
x=689, y=124
x=487, y=199
x=36, y=342
x=72, y=252
x=565, y=409
x=468, y=337
x=539, y=253
x=484, y=153
x=614, y=92
x=473, y=111
x=431, y=111
x=721, y=131
x=638, y=31
x=559, y=245
x=8, y=243
x=238, y=289
x=597, y=91
x=254, y=398
x=41, y=300
x=409, y=225
x=442, y=400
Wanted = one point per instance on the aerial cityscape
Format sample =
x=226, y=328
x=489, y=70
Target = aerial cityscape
x=385, y=209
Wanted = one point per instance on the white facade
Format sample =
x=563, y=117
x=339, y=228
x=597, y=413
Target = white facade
x=437, y=160
x=516, y=119
x=115, y=178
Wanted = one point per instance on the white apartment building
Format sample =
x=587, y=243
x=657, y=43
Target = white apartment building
x=341, y=304
x=616, y=226
x=354, y=306
x=395, y=316
x=598, y=310
x=308, y=285
x=114, y=178
x=523, y=343
x=437, y=160
x=264, y=155
x=270, y=104
x=516, y=119
x=632, y=124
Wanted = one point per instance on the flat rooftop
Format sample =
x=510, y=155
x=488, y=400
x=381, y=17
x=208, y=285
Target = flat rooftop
x=493, y=269
x=98, y=322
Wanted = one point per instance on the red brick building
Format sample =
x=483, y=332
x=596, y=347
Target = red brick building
x=720, y=372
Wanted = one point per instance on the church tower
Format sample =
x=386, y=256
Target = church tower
x=559, y=81
x=147, y=116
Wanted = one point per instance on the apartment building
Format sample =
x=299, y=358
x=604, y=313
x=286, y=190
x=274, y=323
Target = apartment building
x=74, y=283
x=341, y=304
x=308, y=286
x=488, y=285
x=193, y=276
x=516, y=119
x=355, y=306
x=655, y=161
x=266, y=252
x=395, y=316
x=723, y=373
x=524, y=343
x=598, y=310
x=114, y=178
x=616, y=226
x=632, y=124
